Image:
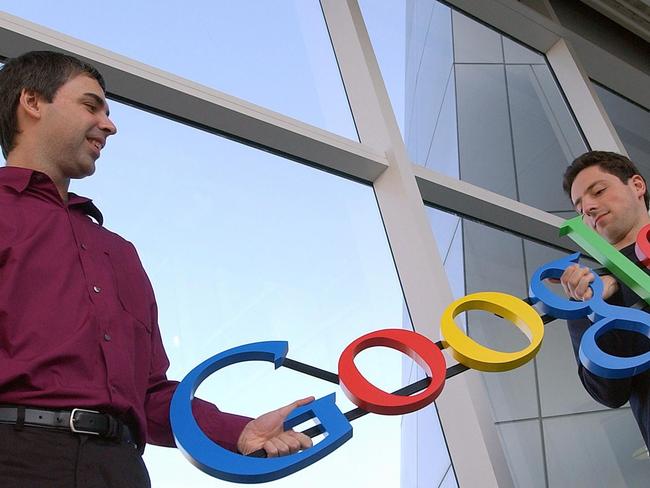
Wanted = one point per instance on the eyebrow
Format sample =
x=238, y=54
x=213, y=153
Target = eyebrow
x=579, y=199
x=99, y=100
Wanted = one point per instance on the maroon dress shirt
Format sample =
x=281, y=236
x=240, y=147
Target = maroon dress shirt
x=78, y=317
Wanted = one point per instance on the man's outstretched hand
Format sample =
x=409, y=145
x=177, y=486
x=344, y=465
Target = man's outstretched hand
x=267, y=432
x=576, y=281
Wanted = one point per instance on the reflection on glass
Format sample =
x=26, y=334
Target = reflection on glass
x=244, y=246
x=442, y=154
x=475, y=43
x=632, y=123
x=591, y=450
x=449, y=481
x=381, y=18
x=515, y=53
x=486, y=109
x=494, y=261
x=485, y=145
x=546, y=421
x=275, y=54
x=523, y=445
x=430, y=95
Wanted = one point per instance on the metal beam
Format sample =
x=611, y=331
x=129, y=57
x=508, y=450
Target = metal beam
x=171, y=96
x=633, y=15
x=420, y=268
x=490, y=208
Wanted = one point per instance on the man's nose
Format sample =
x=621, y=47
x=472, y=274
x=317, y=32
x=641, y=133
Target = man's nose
x=107, y=126
x=589, y=206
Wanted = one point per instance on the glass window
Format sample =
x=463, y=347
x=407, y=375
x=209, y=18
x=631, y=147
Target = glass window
x=244, y=246
x=475, y=43
x=486, y=109
x=589, y=450
x=380, y=18
x=430, y=463
x=632, y=123
x=515, y=53
x=551, y=431
x=544, y=136
x=494, y=261
x=484, y=131
x=430, y=88
x=526, y=444
x=275, y=54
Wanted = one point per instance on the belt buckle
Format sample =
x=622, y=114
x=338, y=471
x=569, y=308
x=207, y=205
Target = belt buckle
x=72, y=426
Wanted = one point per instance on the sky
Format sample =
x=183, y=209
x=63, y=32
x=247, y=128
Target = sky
x=241, y=245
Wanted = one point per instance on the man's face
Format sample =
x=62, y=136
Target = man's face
x=75, y=127
x=609, y=206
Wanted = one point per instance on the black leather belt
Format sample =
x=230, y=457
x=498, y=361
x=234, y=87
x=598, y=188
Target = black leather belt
x=77, y=420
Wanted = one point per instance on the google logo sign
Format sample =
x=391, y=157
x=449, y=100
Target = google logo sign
x=224, y=464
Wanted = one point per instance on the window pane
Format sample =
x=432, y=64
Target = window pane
x=487, y=110
x=540, y=126
x=244, y=246
x=589, y=450
x=380, y=18
x=485, y=143
x=275, y=54
x=525, y=444
x=632, y=123
x=475, y=43
x=546, y=422
x=515, y=53
x=430, y=87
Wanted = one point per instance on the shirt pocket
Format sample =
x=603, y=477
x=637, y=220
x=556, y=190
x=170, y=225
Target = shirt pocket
x=132, y=286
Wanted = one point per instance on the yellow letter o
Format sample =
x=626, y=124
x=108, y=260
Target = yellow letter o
x=472, y=354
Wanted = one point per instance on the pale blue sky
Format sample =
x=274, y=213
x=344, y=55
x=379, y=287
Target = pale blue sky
x=241, y=245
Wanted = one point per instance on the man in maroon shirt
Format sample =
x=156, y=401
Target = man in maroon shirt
x=80, y=348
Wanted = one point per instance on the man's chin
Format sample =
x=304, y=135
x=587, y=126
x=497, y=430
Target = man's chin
x=603, y=230
x=84, y=171
x=613, y=239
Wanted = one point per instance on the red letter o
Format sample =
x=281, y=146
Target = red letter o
x=367, y=396
x=642, y=246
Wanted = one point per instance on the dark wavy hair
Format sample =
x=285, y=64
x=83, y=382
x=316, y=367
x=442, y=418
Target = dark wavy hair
x=42, y=71
x=609, y=162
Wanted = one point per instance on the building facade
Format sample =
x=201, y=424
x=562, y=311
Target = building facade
x=485, y=108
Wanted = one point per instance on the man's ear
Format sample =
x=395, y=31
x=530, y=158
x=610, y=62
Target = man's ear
x=639, y=184
x=31, y=103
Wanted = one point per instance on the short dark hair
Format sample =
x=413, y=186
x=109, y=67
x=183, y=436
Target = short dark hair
x=609, y=162
x=42, y=71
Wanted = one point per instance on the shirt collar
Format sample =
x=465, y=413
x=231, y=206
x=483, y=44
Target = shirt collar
x=86, y=205
x=19, y=179
x=16, y=178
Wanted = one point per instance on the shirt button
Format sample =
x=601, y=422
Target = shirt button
x=96, y=289
x=84, y=247
x=107, y=337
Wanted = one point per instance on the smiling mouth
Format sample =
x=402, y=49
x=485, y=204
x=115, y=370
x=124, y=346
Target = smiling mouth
x=95, y=144
x=598, y=219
